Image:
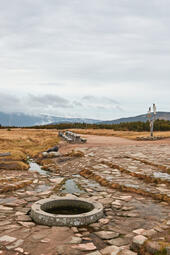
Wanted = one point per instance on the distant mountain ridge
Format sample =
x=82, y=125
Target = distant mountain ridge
x=142, y=118
x=25, y=120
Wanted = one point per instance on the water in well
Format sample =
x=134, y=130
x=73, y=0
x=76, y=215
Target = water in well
x=67, y=210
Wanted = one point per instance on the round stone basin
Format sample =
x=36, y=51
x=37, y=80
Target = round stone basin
x=66, y=212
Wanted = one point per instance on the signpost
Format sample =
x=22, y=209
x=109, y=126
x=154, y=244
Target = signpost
x=151, y=117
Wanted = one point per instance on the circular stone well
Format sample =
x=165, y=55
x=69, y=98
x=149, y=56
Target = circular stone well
x=66, y=212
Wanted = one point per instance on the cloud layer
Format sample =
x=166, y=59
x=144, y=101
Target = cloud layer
x=104, y=59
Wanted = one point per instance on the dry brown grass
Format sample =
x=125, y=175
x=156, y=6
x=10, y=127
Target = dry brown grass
x=76, y=154
x=124, y=134
x=26, y=142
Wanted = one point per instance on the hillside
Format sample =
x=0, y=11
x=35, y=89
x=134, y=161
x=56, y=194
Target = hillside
x=142, y=118
x=25, y=120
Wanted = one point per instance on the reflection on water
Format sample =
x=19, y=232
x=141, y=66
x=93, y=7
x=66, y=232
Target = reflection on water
x=36, y=167
x=71, y=187
x=161, y=175
x=42, y=188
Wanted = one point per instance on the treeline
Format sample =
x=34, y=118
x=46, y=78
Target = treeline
x=159, y=125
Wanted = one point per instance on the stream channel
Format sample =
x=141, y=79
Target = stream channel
x=69, y=186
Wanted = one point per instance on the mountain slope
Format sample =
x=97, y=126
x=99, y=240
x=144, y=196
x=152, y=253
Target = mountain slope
x=142, y=118
x=25, y=120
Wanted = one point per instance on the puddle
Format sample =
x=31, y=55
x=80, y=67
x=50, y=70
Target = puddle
x=37, y=168
x=71, y=187
x=42, y=188
x=161, y=175
x=7, y=200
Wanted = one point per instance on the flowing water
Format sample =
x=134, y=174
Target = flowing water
x=37, y=168
x=71, y=187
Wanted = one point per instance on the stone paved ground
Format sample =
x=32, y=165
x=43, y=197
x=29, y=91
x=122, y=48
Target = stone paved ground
x=131, y=180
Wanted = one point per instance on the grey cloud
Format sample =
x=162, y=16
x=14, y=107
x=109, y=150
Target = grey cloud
x=46, y=100
x=79, y=48
x=9, y=103
x=103, y=100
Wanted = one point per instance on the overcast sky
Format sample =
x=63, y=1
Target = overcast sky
x=100, y=59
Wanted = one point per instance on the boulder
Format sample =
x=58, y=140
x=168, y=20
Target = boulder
x=55, y=148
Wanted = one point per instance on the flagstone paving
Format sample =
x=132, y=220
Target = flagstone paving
x=132, y=183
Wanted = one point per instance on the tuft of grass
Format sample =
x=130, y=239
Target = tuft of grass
x=74, y=153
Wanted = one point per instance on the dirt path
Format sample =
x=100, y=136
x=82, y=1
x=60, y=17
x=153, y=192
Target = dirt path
x=108, y=141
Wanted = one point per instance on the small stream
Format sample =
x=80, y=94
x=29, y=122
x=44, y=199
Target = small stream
x=71, y=187
x=37, y=168
x=161, y=175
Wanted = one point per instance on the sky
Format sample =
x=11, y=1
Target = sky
x=101, y=59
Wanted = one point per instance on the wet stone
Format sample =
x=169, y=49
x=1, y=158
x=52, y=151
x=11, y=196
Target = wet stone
x=137, y=242
x=110, y=250
x=25, y=218
x=127, y=252
x=85, y=247
x=149, y=233
x=7, y=239
x=118, y=241
x=107, y=234
x=15, y=244
x=75, y=240
x=95, y=253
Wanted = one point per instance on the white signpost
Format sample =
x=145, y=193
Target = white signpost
x=151, y=117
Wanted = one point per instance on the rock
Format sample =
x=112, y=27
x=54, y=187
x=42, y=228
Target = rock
x=19, y=249
x=75, y=240
x=149, y=233
x=95, y=226
x=54, y=154
x=15, y=244
x=45, y=240
x=125, y=198
x=139, y=231
x=118, y=241
x=74, y=229
x=127, y=208
x=26, y=224
x=5, y=209
x=116, y=204
x=57, y=181
x=137, y=242
x=127, y=252
x=168, y=223
x=107, y=234
x=95, y=253
x=45, y=154
x=106, y=202
x=53, y=149
x=19, y=213
x=110, y=250
x=25, y=218
x=104, y=221
x=85, y=247
x=7, y=239
x=4, y=222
